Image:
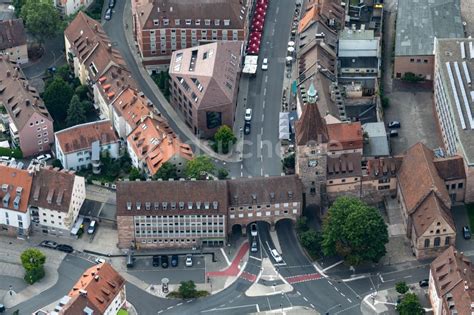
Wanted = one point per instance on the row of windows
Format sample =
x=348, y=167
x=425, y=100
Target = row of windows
x=260, y=214
x=176, y=232
x=437, y=242
x=188, y=22
x=418, y=60
x=154, y=241
x=37, y=123
x=277, y=205
x=453, y=186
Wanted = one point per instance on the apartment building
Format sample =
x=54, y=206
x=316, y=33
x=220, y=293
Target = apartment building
x=89, y=51
x=15, y=195
x=81, y=146
x=29, y=122
x=55, y=200
x=100, y=290
x=153, y=143
x=69, y=7
x=418, y=24
x=162, y=27
x=454, y=101
x=160, y=214
x=13, y=40
x=204, y=85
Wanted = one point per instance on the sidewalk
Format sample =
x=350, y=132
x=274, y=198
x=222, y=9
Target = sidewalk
x=268, y=282
x=172, y=114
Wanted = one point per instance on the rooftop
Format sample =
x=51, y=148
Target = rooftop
x=344, y=165
x=12, y=33
x=132, y=106
x=419, y=22
x=81, y=137
x=377, y=142
x=456, y=73
x=113, y=81
x=15, y=188
x=345, y=136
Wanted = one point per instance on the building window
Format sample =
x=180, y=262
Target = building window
x=460, y=185
x=427, y=243
x=156, y=22
x=207, y=22
x=412, y=60
x=177, y=22
x=437, y=241
x=447, y=240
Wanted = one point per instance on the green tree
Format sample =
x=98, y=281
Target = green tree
x=57, y=97
x=401, y=287
x=354, y=231
x=75, y=112
x=311, y=240
x=33, y=261
x=82, y=91
x=18, y=4
x=302, y=224
x=57, y=163
x=42, y=19
x=199, y=167
x=135, y=173
x=167, y=170
x=224, y=139
x=64, y=72
x=289, y=162
x=187, y=289
x=222, y=173
x=410, y=305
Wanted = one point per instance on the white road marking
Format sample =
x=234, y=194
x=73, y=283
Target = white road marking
x=311, y=305
x=330, y=283
x=242, y=166
x=269, y=306
x=304, y=298
x=343, y=294
x=266, y=78
x=230, y=308
x=189, y=301
x=256, y=258
x=179, y=304
x=258, y=308
x=349, y=300
x=160, y=312
x=170, y=307
x=298, y=292
x=333, y=265
x=409, y=276
x=265, y=91
x=263, y=117
x=261, y=172
x=335, y=288
x=278, y=9
x=355, y=278
x=241, y=174
x=263, y=104
x=225, y=256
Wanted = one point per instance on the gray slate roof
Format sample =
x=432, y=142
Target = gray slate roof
x=420, y=21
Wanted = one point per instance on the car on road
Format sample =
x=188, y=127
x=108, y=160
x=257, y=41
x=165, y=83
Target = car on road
x=108, y=14
x=92, y=227
x=276, y=255
x=265, y=64
x=2, y=308
x=247, y=128
x=111, y=3
x=49, y=244
x=65, y=248
x=164, y=261
x=43, y=157
x=99, y=260
x=424, y=283
x=254, y=246
x=6, y=159
x=248, y=114
x=466, y=233
x=174, y=261
x=393, y=133
x=394, y=124
x=253, y=229
x=189, y=261
x=156, y=260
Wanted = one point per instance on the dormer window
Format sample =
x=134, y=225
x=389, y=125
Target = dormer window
x=157, y=205
x=197, y=22
x=166, y=22
x=147, y=205
x=173, y=206
x=226, y=22
x=207, y=22
x=177, y=21
x=129, y=205
x=217, y=22
x=206, y=205
x=139, y=205
x=190, y=205
x=156, y=22
x=188, y=22
x=165, y=205
x=181, y=205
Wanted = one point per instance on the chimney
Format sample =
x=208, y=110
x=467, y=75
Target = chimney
x=96, y=27
x=8, y=73
x=96, y=278
x=27, y=102
x=109, y=47
x=87, y=40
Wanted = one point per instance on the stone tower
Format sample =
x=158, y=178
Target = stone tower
x=311, y=151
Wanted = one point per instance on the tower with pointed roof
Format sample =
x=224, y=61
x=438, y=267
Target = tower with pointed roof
x=311, y=150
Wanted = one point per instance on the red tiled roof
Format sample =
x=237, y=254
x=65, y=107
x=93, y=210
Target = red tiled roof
x=345, y=136
x=15, y=182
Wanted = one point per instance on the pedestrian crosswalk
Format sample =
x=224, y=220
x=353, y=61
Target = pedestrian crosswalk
x=303, y=278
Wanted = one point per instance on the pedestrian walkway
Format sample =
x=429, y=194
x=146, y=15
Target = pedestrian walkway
x=303, y=278
x=234, y=268
x=248, y=276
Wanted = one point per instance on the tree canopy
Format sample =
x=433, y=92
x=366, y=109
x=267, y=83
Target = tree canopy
x=401, y=287
x=187, y=289
x=167, y=170
x=33, y=261
x=410, y=305
x=199, y=167
x=41, y=18
x=57, y=97
x=224, y=139
x=354, y=231
x=75, y=113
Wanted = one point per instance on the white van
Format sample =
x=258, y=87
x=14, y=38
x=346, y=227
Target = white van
x=276, y=256
x=92, y=226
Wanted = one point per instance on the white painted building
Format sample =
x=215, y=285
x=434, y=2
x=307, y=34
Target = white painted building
x=68, y=7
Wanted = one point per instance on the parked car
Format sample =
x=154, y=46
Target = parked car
x=92, y=227
x=156, y=261
x=394, y=124
x=164, y=261
x=108, y=14
x=174, y=261
x=65, y=248
x=393, y=133
x=43, y=157
x=466, y=233
x=49, y=244
x=111, y=3
x=248, y=114
x=265, y=64
x=276, y=255
x=254, y=246
x=247, y=128
x=130, y=260
x=99, y=260
x=424, y=283
x=2, y=308
x=6, y=159
x=253, y=229
x=189, y=261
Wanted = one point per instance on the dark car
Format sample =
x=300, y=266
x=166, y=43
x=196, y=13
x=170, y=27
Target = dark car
x=111, y=3
x=174, y=261
x=254, y=246
x=466, y=233
x=108, y=14
x=49, y=244
x=156, y=261
x=424, y=283
x=164, y=261
x=393, y=133
x=2, y=308
x=247, y=128
x=65, y=248
x=394, y=124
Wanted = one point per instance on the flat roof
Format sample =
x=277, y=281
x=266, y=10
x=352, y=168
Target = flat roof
x=456, y=73
x=420, y=21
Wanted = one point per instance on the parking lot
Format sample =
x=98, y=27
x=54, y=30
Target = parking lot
x=415, y=112
x=461, y=219
x=145, y=271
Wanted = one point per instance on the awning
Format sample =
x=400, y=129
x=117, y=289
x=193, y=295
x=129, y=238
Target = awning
x=77, y=225
x=284, y=126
